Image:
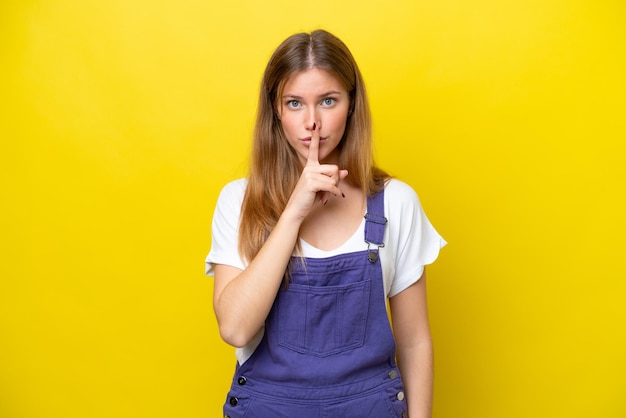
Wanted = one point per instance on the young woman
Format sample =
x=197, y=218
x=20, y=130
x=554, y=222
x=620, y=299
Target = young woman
x=309, y=247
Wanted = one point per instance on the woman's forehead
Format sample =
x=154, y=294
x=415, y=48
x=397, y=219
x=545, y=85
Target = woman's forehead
x=312, y=81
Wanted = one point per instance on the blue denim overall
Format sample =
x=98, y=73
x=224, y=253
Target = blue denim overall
x=328, y=350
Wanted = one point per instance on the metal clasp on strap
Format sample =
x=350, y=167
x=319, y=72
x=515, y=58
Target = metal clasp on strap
x=372, y=254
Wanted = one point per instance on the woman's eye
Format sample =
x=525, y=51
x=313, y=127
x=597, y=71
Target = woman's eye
x=329, y=101
x=293, y=104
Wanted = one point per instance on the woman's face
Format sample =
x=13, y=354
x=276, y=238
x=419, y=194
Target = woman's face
x=314, y=99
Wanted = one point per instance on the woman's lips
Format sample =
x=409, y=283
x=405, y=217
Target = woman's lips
x=307, y=141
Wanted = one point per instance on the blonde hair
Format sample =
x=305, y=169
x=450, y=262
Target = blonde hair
x=274, y=166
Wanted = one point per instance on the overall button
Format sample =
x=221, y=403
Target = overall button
x=242, y=380
x=233, y=401
x=404, y=415
x=393, y=374
x=400, y=396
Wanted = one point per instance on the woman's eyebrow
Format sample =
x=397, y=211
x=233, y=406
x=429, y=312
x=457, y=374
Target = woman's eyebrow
x=295, y=96
x=330, y=93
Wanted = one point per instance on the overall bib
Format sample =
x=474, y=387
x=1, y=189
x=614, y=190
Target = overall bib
x=328, y=350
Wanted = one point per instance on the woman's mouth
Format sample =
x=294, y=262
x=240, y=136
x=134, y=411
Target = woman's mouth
x=307, y=141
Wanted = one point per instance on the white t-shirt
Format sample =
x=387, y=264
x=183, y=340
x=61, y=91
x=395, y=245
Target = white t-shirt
x=411, y=242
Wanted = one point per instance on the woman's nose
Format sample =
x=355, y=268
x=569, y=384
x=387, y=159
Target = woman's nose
x=312, y=121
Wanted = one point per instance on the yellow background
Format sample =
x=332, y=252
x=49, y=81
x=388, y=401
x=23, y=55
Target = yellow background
x=121, y=120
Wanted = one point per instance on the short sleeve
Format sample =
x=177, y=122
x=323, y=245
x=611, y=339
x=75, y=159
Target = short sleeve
x=225, y=228
x=416, y=242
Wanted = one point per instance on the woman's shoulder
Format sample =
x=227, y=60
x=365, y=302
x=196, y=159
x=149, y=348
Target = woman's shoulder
x=399, y=191
x=231, y=195
x=234, y=188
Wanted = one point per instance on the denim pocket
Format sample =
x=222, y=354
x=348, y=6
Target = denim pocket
x=324, y=320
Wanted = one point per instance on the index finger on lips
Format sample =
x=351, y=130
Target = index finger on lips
x=314, y=147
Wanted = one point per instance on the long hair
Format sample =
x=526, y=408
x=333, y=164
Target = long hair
x=274, y=166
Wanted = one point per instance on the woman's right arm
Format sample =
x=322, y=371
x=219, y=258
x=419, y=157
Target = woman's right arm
x=242, y=299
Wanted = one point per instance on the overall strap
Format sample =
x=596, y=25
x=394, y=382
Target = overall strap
x=375, y=222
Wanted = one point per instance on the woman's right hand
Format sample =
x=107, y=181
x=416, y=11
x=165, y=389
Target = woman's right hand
x=316, y=182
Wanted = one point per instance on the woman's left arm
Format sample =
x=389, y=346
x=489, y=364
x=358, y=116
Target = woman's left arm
x=409, y=314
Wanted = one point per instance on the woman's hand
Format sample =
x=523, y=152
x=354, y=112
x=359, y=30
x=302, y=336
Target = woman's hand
x=316, y=182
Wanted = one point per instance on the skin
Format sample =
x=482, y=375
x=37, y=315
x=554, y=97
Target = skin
x=314, y=97
x=315, y=104
x=325, y=212
x=414, y=348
